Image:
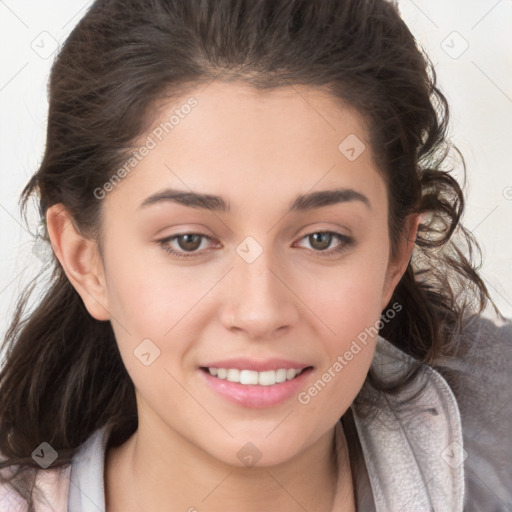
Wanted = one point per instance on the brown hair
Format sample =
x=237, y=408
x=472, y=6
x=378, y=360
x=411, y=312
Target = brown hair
x=63, y=376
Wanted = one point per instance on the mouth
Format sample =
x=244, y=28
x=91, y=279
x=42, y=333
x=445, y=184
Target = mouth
x=254, y=378
x=255, y=389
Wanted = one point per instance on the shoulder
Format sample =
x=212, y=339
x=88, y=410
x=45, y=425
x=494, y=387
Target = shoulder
x=480, y=376
x=482, y=364
x=50, y=488
x=416, y=431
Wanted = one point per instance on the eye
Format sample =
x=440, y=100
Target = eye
x=187, y=245
x=321, y=240
x=187, y=242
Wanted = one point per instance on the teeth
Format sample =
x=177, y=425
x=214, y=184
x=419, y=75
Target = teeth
x=282, y=374
x=233, y=375
x=248, y=377
x=267, y=378
x=290, y=374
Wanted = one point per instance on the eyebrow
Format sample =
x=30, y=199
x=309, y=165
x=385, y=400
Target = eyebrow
x=301, y=203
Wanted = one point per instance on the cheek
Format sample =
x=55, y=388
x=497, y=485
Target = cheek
x=349, y=296
x=347, y=344
x=153, y=327
x=160, y=303
x=151, y=297
x=352, y=316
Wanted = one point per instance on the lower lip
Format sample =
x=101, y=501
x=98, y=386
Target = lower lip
x=255, y=396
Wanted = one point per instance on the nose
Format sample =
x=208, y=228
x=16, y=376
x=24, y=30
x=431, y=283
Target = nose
x=259, y=301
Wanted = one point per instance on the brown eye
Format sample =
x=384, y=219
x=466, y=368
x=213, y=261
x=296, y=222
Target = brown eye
x=320, y=241
x=189, y=242
x=185, y=245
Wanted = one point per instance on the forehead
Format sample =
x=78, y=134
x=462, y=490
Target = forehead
x=283, y=118
x=233, y=140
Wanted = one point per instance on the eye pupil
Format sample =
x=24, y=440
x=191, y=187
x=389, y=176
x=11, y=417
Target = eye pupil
x=189, y=243
x=326, y=236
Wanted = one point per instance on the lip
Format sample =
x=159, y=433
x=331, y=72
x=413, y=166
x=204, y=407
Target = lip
x=242, y=363
x=256, y=396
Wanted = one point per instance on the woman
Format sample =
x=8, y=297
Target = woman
x=256, y=269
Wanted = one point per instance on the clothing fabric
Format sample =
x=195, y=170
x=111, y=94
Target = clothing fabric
x=448, y=450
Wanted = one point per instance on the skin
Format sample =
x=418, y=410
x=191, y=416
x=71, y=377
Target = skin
x=259, y=150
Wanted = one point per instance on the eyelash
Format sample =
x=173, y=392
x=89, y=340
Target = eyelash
x=346, y=242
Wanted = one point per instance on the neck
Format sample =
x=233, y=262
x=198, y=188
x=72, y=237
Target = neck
x=175, y=475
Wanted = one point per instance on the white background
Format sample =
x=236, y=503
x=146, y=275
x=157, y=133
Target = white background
x=477, y=83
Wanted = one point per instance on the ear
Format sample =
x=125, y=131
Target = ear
x=80, y=260
x=398, y=265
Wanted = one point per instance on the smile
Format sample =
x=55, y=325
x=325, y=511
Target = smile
x=250, y=377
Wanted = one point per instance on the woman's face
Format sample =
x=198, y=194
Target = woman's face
x=258, y=281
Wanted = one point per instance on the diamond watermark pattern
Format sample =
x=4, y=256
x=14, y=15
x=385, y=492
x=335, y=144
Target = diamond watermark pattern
x=44, y=455
x=454, y=45
x=146, y=352
x=352, y=147
x=451, y=457
x=44, y=45
x=249, y=454
x=249, y=249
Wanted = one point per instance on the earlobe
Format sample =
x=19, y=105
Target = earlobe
x=80, y=260
x=397, y=268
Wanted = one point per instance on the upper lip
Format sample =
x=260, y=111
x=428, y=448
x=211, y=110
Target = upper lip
x=242, y=363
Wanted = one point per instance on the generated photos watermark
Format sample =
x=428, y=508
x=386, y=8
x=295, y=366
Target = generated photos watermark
x=151, y=142
x=305, y=397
